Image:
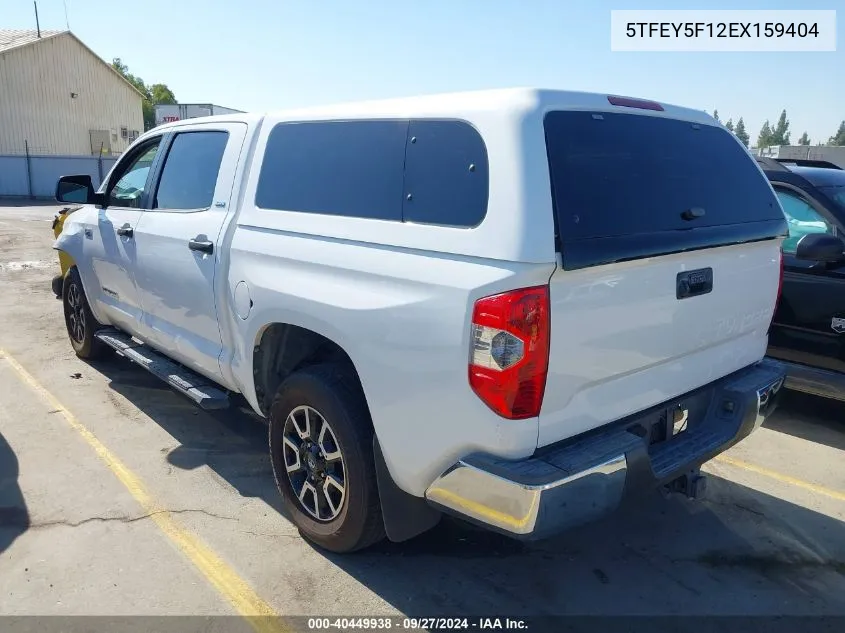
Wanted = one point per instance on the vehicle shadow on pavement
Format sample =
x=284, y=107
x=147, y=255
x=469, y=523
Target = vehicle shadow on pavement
x=821, y=420
x=740, y=551
x=14, y=517
x=231, y=442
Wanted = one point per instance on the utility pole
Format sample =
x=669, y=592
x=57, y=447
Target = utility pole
x=37, y=24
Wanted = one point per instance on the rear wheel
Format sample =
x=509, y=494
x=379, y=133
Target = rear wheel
x=79, y=320
x=321, y=448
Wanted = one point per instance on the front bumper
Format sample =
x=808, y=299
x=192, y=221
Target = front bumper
x=583, y=478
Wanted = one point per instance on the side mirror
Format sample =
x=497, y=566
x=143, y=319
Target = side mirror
x=77, y=190
x=820, y=247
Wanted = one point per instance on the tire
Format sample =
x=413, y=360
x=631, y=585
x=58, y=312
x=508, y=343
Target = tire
x=344, y=523
x=58, y=285
x=79, y=320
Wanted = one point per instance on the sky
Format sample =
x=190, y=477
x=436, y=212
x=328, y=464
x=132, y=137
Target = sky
x=259, y=55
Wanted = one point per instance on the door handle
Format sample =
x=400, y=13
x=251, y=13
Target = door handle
x=203, y=246
x=125, y=231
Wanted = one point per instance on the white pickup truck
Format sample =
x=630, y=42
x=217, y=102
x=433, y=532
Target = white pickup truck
x=509, y=305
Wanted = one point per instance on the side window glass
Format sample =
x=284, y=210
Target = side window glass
x=422, y=171
x=446, y=174
x=189, y=176
x=129, y=188
x=348, y=168
x=801, y=219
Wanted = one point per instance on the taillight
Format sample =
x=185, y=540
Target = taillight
x=509, y=351
x=780, y=289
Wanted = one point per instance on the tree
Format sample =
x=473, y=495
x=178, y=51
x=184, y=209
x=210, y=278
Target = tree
x=804, y=140
x=780, y=135
x=716, y=115
x=730, y=125
x=740, y=132
x=123, y=69
x=153, y=95
x=764, y=138
x=161, y=95
x=839, y=137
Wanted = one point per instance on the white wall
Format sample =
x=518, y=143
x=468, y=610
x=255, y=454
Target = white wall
x=36, y=82
x=832, y=153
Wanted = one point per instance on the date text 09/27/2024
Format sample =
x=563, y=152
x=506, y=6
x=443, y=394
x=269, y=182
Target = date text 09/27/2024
x=721, y=29
x=416, y=624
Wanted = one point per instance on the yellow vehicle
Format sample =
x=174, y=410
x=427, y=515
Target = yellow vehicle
x=65, y=262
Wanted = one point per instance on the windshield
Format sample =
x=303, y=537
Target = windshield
x=837, y=194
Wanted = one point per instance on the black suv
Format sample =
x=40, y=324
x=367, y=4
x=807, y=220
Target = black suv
x=808, y=332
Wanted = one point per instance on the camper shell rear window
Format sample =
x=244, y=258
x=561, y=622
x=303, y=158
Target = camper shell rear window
x=627, y=186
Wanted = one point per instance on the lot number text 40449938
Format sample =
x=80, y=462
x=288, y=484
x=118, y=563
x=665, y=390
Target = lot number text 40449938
x=416, y=624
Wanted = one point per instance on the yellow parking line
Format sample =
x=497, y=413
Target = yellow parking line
x=787, y=479
x=222, y=577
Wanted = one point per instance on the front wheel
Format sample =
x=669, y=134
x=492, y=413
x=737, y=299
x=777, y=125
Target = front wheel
x=321, y=448
x=79, y=320
x=57, y=285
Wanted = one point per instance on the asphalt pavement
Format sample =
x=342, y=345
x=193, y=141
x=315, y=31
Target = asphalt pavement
x=119, y=497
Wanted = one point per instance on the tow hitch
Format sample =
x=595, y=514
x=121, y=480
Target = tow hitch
x=691, y=484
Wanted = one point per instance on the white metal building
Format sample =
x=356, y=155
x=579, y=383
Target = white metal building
x=57, y=97
x=832, y=153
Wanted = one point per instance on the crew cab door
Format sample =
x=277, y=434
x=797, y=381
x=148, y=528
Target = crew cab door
x=112, y=247
x=178, y=239
x=809, y=325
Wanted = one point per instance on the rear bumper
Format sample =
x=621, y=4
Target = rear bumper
x=826, y=383
x=583, y=478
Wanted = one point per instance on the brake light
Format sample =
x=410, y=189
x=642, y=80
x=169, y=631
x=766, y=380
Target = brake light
x=780, y=288
x=628, y=102
x=509, y=351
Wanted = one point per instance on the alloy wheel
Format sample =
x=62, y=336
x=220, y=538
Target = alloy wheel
x=76, y=313
x=314, y=463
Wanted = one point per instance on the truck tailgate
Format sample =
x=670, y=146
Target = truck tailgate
x=622, y=340
x=669, y=239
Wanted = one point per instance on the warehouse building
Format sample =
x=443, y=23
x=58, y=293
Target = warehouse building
x=830, y=153
x=57, y=97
